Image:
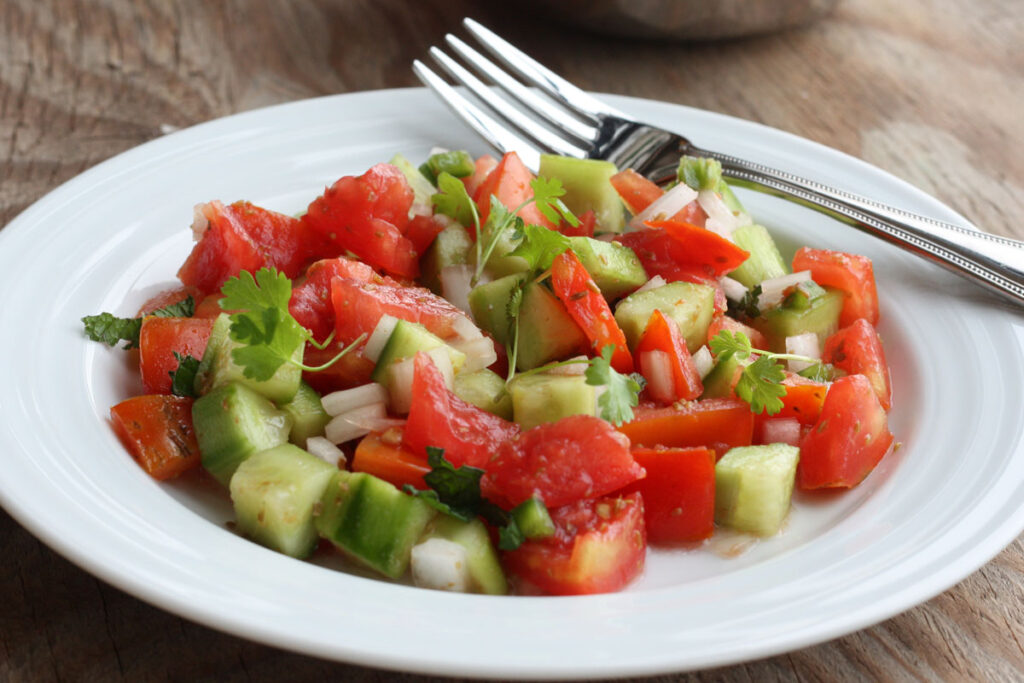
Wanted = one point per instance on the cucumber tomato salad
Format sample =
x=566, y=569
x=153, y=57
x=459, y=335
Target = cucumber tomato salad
x=476, y=379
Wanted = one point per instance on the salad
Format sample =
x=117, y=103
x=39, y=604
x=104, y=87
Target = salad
x=488, y=381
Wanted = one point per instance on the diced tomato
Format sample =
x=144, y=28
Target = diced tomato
x=599, y=546
x=636, y=191
x=588, y=221
x=422, y=230
x=439, y=418
x=157, y=430
x=663, y=336
x=851, y=273
x=729, y=324
x=159, y=339
x=351, y=370
x=803, y=401
x=311, y=304
x=586, y=305
x=848, y=440
x=678, y=492
x=718, y=423
x=660, y=254
x=703, y=248
x=481, y=169
x=578, y=457
x=163, y=299
x=358, y=307
x=224, y=250
x=208, y=307
x=510, y=183
x=367, y=215
x=858, y=350
x=383, y=456
x=283, y=241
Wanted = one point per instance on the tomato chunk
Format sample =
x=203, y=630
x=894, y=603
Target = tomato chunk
x=636, y=191
x=851, y=273
x=718, y=423
x=482, y=168
x=165, y=298
x=383, y=456
x=725, y=322
x=311, y=304
x=664, y=337
x=858, y=350
x=439, y=418
x=702, y=248
x=599, y=546
x=158, y=432
x=586, y=305
x=358, y=307
x=678, y=492
x=510, y=183
x=351, y=370
x=224, y=250
x=848, y=440
x=160, y=338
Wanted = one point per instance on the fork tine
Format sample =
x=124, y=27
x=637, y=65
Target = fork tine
x=496, y=134
x=540, y=75
x=548, y=141
x=527, y=97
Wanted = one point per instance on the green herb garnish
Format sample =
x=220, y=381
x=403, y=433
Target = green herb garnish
x=110, y=329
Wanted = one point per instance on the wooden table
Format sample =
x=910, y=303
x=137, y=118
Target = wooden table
x=931, y=90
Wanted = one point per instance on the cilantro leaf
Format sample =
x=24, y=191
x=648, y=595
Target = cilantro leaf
x=727, y=343
x=452, y=200
x=621, y=392
x=760, y=385
x=539, y=246
x=183, y=378
x=269, y=289
x=747, y=307
x=185, y=308
x=548, y=193
x=110, y=329
x=510, y=536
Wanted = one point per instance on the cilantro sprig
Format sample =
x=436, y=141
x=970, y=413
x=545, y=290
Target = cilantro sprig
x=622, y=392
x=110, y=329
x=183, y=378
x=760, y=383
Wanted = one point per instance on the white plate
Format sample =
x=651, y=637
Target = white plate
x=933, y=512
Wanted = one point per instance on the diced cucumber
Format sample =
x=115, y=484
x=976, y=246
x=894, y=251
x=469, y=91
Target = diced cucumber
x=486, y=390
x=614, y=267
x=489, y=304
x=371, y=521
x=452, y=247
x=754, y=486
x=587, y=184
x=485, y=571
x=422, y=188
x=232, y=422
x=274, y=493
x=719, y=382
x=217, y=368
x=307, y=413
x=702, y=173
x=533, y=519
x=798, y=315
x=691, y=306
x=407, y=338
x=764, y=263
x=541, y=398
x=457, y=162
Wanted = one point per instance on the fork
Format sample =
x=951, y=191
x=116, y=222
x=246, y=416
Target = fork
x=566, y=120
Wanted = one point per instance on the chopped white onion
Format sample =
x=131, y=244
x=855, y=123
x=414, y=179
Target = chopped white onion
x=374, y=423
x=379, y=337
x=665, y=206
x=347, y=426
x=720, y=219
x=734, y=289
x=704, y=361
x=571, y=370
x=443, y=362
x=654, y=282
x=338, y=402
x=401, y=373
x=200, y=223
x=805, y=344
x=455, y=285
x=322, y=448
x=440, y=564
x=656, y=367
x=436, y=150
x=772, y=290
x=606, y=237
x=465, y=329
x=479, y=352
x=781, y=430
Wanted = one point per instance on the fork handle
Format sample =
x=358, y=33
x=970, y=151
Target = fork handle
x=995, y=262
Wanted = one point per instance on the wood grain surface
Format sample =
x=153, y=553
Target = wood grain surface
x=930, y=90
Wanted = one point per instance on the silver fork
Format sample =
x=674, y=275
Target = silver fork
x=570, y=122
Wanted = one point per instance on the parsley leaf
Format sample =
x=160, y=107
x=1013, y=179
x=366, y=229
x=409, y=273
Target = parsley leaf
x=539, y=246
x=621, y=392
x=548, y=193
x=110, y=329
x=760, y=385
x=183, y=378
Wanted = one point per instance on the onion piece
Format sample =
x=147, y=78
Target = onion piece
x=571, y=370
x=704, y=361
x=200, y=223
x=321, y=447
x=720, y=219
x=734, y=289
x=374, y=423
x=654, y=282
x=379, y=337
x=455, y=285
x=665, y=206
x=781, y=430
x=401, y=373
x=440, y=564
x=772, y=290
x=338, y=402
x=805, y=344
x=465, y=329
x=656, y=367
x=344, y=428
x=480, y=353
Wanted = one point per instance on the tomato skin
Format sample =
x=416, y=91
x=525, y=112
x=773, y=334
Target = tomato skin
x=157, y=430
x=160, y=338
x=849, y=439
x=588, y=222
x=422, y=230
x=587, y=306
x=599, y=547
x=367, y=215
x=678, y=493
x=661, y=335
x=851, y=273
x=858, y=350
x=637, y=193
x=311, y=304
x=661, y=254
x=383, y=456
x=717, y=423
x=510, y=183
x=702, y=248
x=439, y=418
x=358, y=307
x=482, y=168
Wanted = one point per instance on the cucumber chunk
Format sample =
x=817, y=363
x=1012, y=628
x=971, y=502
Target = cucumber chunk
x=451, y=247
x=800, y=314
x=232, y=422
x=486, y=390
x=690, y=305
x=408, y=338
x=754, y=487
x=274, y=493
x=614, y=267
x=533, y=519
x=371, y=521
x=588, y=186
x=537, y=399
x=764, y=263
x=485, y=574
x=422, y=187
x=307, y=413
x=720, y=381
